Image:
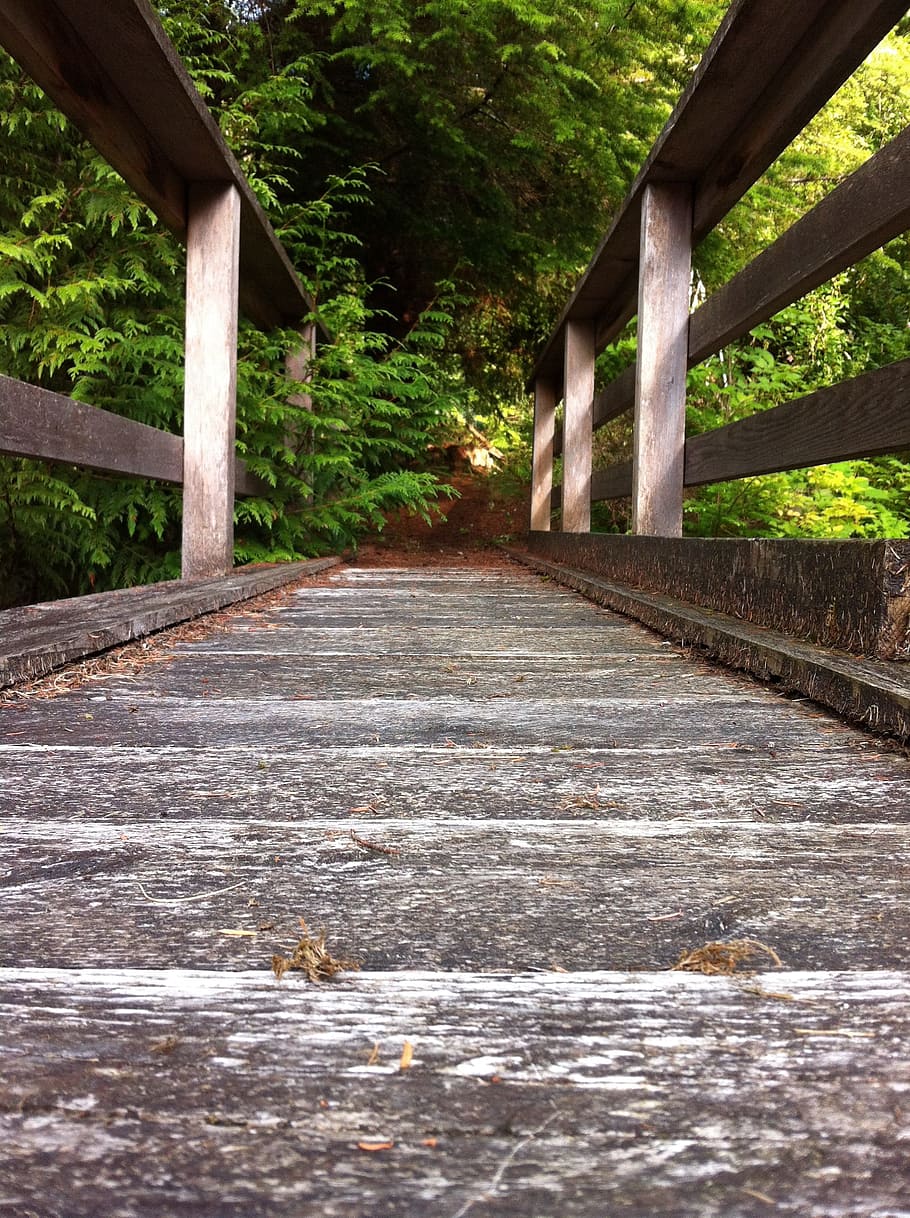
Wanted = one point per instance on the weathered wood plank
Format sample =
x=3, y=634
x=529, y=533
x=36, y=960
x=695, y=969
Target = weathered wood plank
x=108, y=65
x=36, y=639
x=210, y=382
x=614, y=482
x=50, y=427
x=543, y=450
x=863, y=417
x=853, y=595
x=847, y=782
x=877, y=696
x=166, y=1042
x=660, y=374
x=576, y=430
x=519, y=1084
x=517, y=895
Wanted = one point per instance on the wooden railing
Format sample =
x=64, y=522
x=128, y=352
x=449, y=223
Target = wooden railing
x=108, y=65
x=770, y=68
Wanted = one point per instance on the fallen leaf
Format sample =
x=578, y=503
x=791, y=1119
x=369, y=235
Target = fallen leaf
x=407, y=1054
x=372, y=1147
x=431, y=1142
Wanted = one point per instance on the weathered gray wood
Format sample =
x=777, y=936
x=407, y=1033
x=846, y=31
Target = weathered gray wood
x=862, y=417
x=578, y=400
x=223, y=1094
x=108, y=65
x=660, y=373
x=614, y=482
x=853, y=595
x=36, y=639
x=873, y=695
x=865, y=211
x=210, y=385
x=727, y=128
x=151, y=1060
x=50, y=427
x=543, y=450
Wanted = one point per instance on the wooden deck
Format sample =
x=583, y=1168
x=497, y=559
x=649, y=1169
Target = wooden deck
x=516, y=810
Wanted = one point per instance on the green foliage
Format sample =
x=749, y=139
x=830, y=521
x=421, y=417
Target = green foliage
x=440, y=173
x=91, y=305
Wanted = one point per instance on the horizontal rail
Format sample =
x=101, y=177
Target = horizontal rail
x=109, y=67
x=47, y=426
x=869, y=208
x=863, y=417
x=772, y=65
x=866, y=210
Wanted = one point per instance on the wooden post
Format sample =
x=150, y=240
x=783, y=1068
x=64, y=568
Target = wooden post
x=660, y=384
x=542, y=475
x=210, y=393
x=297, y=365
x=578, y=427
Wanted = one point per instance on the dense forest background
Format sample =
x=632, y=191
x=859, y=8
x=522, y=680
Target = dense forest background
x=440, y=172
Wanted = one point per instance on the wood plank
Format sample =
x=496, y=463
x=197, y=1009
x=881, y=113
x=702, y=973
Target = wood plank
x=843, y=784
x=47, y=426
x=871, y=207
x=518, y=1084
x=660, y=374
x=36, y=639
x=109, y=67
x=863, y=417
x=50, y=427
x=769, y=69
x=210, y=383
x=853, y=595
x=866, y=693
x=614, y=482
x=543, y=449
x=144, y=1034
x=578, y=397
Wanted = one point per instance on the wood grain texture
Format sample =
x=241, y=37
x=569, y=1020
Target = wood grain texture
x=875, y=695
x=660, y=374
x=852, y=595
x=459, y=723
x=543, y=451
x=863, y=417
x=578, y=400
x=50, y=427
x=36, y=639
x=108, y=65
x=600, y=1093
x=210, y=381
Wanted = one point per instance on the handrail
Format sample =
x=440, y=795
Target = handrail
x=109, y=66
x=769, y=69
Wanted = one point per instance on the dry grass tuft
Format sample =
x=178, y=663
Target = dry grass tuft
x=724, y=959
x=312, y=958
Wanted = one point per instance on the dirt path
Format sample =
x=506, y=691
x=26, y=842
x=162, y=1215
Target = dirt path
x=483, y=514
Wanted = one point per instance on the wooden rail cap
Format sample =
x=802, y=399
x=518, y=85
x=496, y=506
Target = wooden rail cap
x=132, y=97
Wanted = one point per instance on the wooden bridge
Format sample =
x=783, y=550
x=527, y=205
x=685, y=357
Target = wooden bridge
x=629, y=926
